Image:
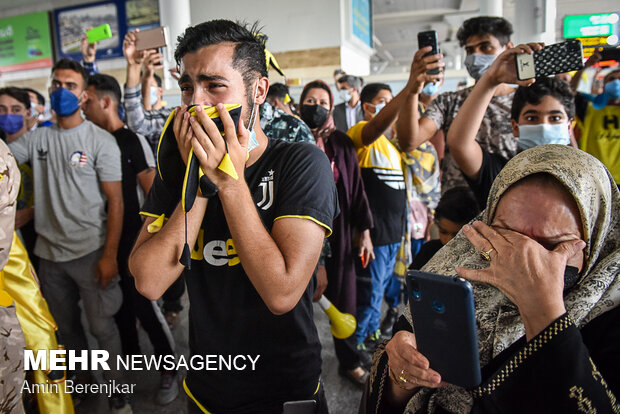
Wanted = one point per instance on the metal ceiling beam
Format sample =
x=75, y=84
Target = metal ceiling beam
x=410, y=16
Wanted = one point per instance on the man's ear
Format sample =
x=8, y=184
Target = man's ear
x=366, y=108
x=571, y=127
x=261, y=93
x=515, y=127
x=510, y=45
x=107, y=102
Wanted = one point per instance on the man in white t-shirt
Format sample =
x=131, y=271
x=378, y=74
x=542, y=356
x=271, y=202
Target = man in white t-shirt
x=78, y=218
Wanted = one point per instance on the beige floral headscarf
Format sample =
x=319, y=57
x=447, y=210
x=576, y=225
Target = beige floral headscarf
x=9, y=188
x=598, y=289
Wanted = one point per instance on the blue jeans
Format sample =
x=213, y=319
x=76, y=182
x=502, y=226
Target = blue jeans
x=395, y=287
x=371, y=284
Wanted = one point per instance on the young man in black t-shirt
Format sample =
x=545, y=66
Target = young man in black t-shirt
x=255, y=243
x=101, y=108
x=542, y=113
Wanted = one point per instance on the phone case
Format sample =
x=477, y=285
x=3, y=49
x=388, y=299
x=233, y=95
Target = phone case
x=429, y=38
x=99, y=33
x=152, y=38
x=550, y=60
x=299, y=407
x=610, y=53
x=445, y=326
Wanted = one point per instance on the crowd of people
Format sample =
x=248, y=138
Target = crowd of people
x=260, y=206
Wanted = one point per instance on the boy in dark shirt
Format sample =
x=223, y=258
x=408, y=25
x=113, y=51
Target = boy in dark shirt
x=101, y=108
x=542, y=113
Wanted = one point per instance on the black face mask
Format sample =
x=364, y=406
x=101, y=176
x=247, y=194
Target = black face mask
x=571, y=275
x=314, y=115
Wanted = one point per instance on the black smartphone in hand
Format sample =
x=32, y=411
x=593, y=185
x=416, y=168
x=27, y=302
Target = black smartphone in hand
x=444, y=323
x=429, y=38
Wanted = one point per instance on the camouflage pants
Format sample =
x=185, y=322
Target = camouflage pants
x=12, y=361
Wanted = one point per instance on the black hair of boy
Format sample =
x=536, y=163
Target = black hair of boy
x=66, y=63
x=106, y=85
x=485, y=25
x=458, y=205
x=371, y=90
x=40, y=98
x=248, y=57
x=18, y=94
x=534, y=94
x=277, y=90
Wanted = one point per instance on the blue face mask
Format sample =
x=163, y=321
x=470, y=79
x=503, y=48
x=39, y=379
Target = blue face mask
x=154, y=96
x=11, y=123
x=533, y=135
x=430, y=89
x=478, y=63
x=63, y=102
x=612, y=89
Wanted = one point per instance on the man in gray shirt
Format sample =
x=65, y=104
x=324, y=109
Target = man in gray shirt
x=78, y=218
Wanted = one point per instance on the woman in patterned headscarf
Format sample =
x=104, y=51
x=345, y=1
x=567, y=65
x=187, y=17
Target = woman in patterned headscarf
x=547, y=306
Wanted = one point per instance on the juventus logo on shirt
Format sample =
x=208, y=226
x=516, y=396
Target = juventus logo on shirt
x=267, y=186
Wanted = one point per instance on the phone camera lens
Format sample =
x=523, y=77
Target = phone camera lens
x=438, y=306
x=416, y=295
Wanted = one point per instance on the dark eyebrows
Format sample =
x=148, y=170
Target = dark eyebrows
x=202, y=78
x=483, y=43
x=535, y=112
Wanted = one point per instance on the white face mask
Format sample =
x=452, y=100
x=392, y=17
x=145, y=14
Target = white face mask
x=253, y=142
x=478, y=63
x=379, y=107
x=154, y=96
x=533, y=135
x=345, y=95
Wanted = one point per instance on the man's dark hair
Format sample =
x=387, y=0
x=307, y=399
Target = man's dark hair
x=73, y=65
x=106, y=85
x=277, y=90
x=371, y=90
x=17, y=93
x=485, y=25
x=608, y=75
x=533, y=94
x=249, y=54
x=40, y=98
x=458, y=205
x=353, y=81
x=157, y=80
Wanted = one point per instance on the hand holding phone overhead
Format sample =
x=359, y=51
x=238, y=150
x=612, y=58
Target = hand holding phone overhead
x=504, y=70
x=551, y=60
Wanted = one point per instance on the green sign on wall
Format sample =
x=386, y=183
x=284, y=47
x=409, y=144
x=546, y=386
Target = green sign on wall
x=25, y=42
x=590, y=25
